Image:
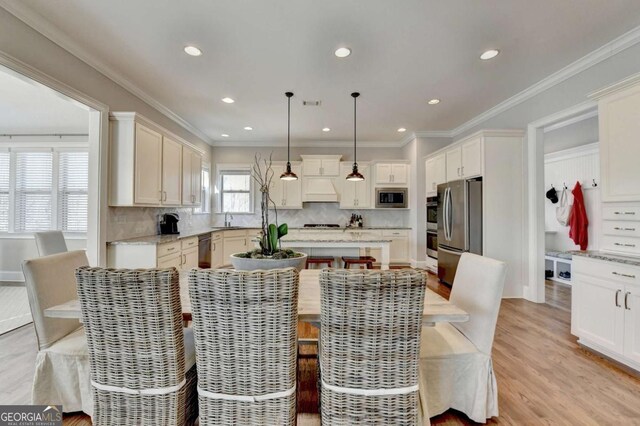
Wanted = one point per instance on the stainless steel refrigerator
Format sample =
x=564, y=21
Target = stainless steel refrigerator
x=459, y=224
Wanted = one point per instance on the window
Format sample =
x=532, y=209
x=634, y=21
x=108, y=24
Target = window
x=235, y=191
x=205, y=205
x=43, y=189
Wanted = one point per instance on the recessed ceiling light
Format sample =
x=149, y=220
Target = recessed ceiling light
x=192, y=50
x=326, y=129
x=224, y=135
x=343, y=52
x=434, y=102
x=402, y=129
x=489, y=54
x=228, y=100
x=248, y=128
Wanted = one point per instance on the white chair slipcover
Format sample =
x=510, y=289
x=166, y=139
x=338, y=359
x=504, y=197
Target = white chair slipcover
x=50, y=242
x=456, y=369
x=62, y=363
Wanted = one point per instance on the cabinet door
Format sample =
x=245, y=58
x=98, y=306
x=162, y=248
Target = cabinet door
x=312, y=167
x=217, y=253
x=399, y=249
x=293, y=190
x=348, y=196
x=383, y=173
x=619, y=120
x=277, y=189
x=430, y=176
x=234, y=245
x=472, y=158
x=190, y=259
x=196, y=178
x=363, y=189
x=598, y=318
x=454, y=164
x=187, y=177
x=631, y=305
x=148, y=166
x=171, y=172
x=330, y=167
x=441, y=169
x=399, y=173
x=171, y=261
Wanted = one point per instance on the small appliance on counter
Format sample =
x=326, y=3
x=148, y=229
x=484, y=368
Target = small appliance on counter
x=169, y=223
x=355, y=221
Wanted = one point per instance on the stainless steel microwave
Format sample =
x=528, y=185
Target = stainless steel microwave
x=392, y=198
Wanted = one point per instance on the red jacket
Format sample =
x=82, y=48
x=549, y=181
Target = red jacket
x=578, y=221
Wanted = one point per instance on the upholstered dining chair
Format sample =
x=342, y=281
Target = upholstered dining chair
x=62, y=363
x=142, y=360
x=245, y=328
x=369, y=346
x=456, y=369
x=50, y=242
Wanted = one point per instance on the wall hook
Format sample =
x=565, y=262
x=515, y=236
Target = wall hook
x=594, y=183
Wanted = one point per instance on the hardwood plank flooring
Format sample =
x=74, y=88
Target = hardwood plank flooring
x=544, y=376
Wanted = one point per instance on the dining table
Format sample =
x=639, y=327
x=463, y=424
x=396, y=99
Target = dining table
x=436, y=308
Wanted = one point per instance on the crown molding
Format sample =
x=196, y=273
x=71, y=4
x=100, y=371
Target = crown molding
x=434, y=134
x=303, y=144
x=573, y=120
x=604, y=52
x=44, y=27
x=621, y=85
x=579, y=151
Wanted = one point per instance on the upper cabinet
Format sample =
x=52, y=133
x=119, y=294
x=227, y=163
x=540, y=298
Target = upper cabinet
x=149, y=166
x=465, y=160
x=320, y=165
x=392, y=173
x=435, y=173
x=286, y=194
x=619, y=124
x=355, y=195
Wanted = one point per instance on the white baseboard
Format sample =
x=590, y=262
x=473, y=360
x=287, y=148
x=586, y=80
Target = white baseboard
x=11, y=276
x=418, y=263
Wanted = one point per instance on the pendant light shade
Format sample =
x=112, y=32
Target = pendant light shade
x=288, y=174
x=355, y=175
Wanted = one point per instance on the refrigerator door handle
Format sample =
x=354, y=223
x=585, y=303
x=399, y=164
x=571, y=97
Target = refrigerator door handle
x=457, y=253
x=445, y=216
x=450, y=215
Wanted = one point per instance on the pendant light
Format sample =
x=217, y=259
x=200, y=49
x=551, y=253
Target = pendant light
x=355, y=175
x=288, y=174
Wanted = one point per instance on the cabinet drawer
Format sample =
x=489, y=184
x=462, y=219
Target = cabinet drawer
x=611, y=271
x=620, y=213
x=168, y=248
x=188, y=243
x=395, y=233
x=215, y=236
x=621, y=228
x=235, y=233
x=171, y=261
x=621, y=244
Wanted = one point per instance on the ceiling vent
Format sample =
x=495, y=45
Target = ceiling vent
x=311, y=103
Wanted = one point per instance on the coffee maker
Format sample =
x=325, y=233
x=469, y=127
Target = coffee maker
x=169, y=223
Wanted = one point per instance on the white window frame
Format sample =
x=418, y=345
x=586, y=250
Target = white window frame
x=55, y=148
x=205, y=194
x=226, y=168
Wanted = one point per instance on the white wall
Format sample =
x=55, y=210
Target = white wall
x=578, y=134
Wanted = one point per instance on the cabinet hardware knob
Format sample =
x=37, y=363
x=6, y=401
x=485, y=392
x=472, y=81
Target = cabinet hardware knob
x=623, y=275
x=626, y=304
x=617, y=293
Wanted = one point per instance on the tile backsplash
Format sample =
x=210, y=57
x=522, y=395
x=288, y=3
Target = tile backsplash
x=132, y=222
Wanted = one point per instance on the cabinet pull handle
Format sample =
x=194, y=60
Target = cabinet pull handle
x=623, y=275
x=171, y=249
x=458, y=171
x=629, y=213
x=617, y=293
x=626, y=305
x=617, y=228
x=462, y=171
x=624, y=245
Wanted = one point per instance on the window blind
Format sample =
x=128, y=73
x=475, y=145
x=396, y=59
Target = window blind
x=236, y=191
x=4, y=191
x=73, y=186
x=33, y=193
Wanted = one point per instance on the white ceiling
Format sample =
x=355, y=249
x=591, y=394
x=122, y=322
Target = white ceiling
x=404, y=53
x=28, y=108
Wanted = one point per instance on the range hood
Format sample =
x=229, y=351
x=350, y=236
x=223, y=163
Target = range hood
x=319, y=190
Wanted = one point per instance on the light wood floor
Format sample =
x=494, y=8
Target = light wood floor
x=544, y=376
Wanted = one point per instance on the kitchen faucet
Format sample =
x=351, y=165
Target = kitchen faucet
x=227, y=223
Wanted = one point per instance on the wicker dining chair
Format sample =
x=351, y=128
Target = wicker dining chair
x=369, y=346
x=245, y=328
x=142, y=361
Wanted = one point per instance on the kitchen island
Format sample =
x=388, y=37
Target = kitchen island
x=343, y=243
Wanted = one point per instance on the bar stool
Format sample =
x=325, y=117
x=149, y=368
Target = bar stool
x=358, y=260
x=320, y=260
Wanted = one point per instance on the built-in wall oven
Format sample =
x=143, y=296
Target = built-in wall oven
x=432, y=244
x=432, y=227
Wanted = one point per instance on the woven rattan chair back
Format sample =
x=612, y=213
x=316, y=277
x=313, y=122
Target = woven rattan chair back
x=133, y=322
x=370, y=341
x=245, y=329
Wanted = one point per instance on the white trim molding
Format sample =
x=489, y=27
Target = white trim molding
x=573, y=120
x=11, y=276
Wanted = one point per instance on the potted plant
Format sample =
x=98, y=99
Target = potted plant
x=269, y=254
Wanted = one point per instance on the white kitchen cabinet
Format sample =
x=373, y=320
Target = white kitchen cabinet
x=235, y=241
x=399, y=244
x=170, y=261
x=148, y=166
x=189, y=259
x=217, y=250
x=286, y=194
x=632, y=323
x=454, y=164
x=320, y=165
x=191, y=177
x=471, y=158
x=392, y=173
x=436, y=173
x=171, y=172
x=619, y=127
x=355, y=195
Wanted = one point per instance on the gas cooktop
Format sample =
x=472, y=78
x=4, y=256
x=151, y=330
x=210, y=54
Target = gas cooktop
x=321, y=225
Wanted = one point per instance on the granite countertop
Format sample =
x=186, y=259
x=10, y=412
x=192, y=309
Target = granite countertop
x=627, y=260
x=335, y=240
x=161, y=239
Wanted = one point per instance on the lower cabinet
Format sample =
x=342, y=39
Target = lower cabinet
x=236, y=241
x=606, y=308
x=217, y=250
x=399, y=247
